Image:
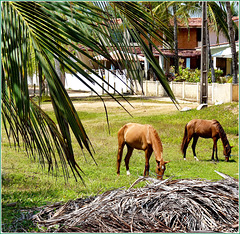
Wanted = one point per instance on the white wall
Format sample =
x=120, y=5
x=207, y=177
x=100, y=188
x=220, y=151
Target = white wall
x=213, y=38
x=190, y=91
x=118, y=81
x=183, y=90
x=221, y=92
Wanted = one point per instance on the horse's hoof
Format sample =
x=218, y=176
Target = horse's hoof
x=196, y=159
x=184, y=159
x=128, y=173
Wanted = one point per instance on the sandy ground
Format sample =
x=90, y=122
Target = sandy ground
x=161, y=105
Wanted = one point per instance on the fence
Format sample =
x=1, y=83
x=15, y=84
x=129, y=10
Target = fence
x=235, y=93
x=226, y=92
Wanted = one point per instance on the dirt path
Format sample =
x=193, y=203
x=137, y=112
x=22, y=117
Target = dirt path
x=161, y=105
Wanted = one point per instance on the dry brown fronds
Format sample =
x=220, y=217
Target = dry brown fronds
x=162, y=206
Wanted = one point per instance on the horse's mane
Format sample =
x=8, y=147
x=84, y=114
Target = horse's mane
x=156, y=143
x=222, y=133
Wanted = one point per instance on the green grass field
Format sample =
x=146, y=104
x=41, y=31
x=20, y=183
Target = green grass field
x=27, y=185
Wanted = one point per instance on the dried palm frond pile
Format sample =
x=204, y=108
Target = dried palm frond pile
x=160, y=206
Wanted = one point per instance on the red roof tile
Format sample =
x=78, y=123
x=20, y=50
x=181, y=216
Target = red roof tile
x=182, y=53
x=197, y=22
x=192, y=22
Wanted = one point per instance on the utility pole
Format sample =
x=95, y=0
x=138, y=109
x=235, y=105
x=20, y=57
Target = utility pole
x=204, y=57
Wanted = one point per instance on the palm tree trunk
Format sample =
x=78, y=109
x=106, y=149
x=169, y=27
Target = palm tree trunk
x=210, y=58
x=232, y=43
x=175, y=41
x=150, y=73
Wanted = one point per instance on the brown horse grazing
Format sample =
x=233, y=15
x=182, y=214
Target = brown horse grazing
x=141, y=137
x=207, y=129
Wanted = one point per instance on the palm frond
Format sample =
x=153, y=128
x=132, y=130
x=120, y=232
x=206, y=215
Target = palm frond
x=44, y=31
x=218, y=18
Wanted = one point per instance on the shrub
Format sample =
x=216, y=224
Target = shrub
x=190, y=75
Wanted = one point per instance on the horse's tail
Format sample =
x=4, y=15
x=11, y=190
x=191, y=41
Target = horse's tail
x=120, y=147
x=121, y=135
x=184, y=141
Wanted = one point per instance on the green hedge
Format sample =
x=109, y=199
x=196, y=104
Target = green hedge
x=190, y=75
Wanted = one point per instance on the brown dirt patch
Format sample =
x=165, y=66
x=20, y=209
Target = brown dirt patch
x=155, y=106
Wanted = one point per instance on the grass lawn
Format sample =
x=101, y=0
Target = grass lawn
x=26, y=185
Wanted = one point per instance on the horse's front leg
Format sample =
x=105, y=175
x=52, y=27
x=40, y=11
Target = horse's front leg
x=216, y=151
x=195, y=139
x=148, y=153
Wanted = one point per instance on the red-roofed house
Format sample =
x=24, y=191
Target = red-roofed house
x=189, y=44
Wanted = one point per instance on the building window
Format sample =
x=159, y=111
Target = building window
x=188, y=63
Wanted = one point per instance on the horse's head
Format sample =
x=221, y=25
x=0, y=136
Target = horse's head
x=227, y=152
x=160, y=169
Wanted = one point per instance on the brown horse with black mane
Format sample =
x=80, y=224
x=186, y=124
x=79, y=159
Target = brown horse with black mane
x=141, y=137
x=207, y=129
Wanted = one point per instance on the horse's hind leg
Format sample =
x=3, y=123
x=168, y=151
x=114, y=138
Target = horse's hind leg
x=127, y=158
x=119, y=156
x=195, y=139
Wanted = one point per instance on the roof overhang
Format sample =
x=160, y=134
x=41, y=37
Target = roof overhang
x=182, y=53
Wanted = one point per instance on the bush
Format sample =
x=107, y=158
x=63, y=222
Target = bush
x=185, y=74
x=189, y=75
x=218, y=74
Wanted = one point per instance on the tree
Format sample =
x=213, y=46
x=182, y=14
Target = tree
x=176, y=60
x=210, y=57
x=39, y=27
x=218, y=22
x=232, y=43
x=217, y=18
x=174, y=12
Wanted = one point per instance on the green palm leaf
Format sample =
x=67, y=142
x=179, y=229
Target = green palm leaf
x=43, y=31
